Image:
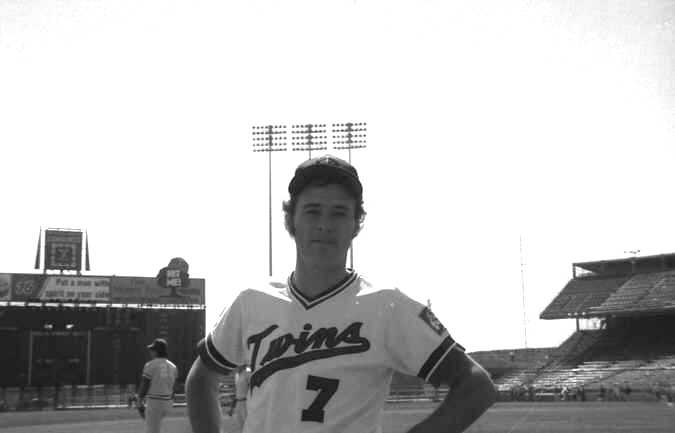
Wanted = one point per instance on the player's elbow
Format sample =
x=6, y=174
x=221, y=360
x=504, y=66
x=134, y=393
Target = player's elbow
x=482, y=388
x=200, y=380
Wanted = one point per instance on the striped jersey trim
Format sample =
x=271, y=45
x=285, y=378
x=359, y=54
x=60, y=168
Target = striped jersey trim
x=310, y=303
x=210, y=355
x=437, y=357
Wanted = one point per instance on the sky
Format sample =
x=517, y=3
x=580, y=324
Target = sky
x=505, y=140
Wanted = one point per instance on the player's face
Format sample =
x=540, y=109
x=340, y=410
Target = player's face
x=324, y=224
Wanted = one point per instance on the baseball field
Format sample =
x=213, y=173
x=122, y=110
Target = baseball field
x=600, y=417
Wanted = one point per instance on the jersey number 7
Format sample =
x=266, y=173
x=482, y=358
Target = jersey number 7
x=326, y=388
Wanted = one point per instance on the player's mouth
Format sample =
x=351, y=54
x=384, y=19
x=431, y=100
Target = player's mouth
x=323, y=241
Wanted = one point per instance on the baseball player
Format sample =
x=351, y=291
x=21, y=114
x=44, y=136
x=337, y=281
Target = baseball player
x=155, y=395
x=242, y=377
x=323, y=344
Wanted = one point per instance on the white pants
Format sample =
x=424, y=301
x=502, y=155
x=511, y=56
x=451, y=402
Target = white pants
x=239, y=416
x=155, y=411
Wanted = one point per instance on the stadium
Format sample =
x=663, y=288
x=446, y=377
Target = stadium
x=74, y=340
x=77, y=342
x=623, y=347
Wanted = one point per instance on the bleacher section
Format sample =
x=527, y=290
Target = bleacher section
x=642, y=293
x=581, y=295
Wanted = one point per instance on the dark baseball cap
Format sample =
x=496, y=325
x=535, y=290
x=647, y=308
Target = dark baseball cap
x=159, y=345
x=327, y=167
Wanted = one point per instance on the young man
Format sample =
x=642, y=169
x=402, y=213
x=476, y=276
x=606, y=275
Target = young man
x=323, y=345
x=155, y=395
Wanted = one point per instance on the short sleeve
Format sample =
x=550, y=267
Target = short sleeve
x=223, y=347
x=148, y=370
x=416, y=342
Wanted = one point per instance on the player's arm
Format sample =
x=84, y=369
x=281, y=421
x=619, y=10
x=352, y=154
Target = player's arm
x=201, y=392
x=219, y=354
x=144, y=386
x=143, y=389
x=471, y=394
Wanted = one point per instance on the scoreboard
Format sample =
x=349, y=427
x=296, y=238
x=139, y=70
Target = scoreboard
x=63, y=250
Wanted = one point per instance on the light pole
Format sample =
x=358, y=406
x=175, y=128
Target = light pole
x=270, y=138
x=308, y=137
x=522, y=287
x=349, y=136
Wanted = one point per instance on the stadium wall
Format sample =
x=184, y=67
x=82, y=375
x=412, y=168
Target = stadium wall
x=47, y=346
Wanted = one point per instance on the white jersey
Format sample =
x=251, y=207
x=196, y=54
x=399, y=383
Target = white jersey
x=162, y=374
x=324, y=365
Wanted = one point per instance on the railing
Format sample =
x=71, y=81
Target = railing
x=119, y=396
x=114, y=396
x=70, y=397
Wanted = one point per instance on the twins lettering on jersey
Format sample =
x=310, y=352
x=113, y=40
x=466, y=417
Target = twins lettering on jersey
x=308, y=346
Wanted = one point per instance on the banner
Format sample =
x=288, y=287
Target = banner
x=28, y=287
x=146, y=290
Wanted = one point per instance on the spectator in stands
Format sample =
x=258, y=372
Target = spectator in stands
x=530, y=392
x=564, y=393
x=603, y=392
x=616, y=392
x=582, y=392
x=625, y=391
x=656, y=390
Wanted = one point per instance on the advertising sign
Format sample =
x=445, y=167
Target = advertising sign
x=5, y=287
x=146, y=290
x=27, y=287
x=63, y=250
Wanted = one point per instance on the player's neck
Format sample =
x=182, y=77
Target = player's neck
x=312, y=280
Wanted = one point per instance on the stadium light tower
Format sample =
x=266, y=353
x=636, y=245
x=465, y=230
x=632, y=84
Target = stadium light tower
x=308, y=137
x=349, y=136
x=270, y=138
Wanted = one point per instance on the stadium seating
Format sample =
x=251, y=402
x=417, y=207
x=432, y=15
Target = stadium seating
x=642, y=292
x=581, y=295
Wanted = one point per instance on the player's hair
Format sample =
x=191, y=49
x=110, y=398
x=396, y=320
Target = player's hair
x=290, y=205
x=161, y=352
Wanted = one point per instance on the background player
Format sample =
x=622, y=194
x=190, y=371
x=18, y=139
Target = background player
x=238, y=408
x=323, y=345
x=157, y=386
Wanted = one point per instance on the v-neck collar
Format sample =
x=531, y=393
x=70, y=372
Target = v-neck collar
x=308, y=302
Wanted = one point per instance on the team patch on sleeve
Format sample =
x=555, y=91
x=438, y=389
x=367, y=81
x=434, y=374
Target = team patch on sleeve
x=430, y=319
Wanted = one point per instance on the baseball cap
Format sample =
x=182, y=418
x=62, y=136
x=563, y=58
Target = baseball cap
x=159, y=345
x=326, y=166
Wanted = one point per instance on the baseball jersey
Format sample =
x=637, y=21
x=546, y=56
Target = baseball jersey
x=162, y=374
x=324, y=364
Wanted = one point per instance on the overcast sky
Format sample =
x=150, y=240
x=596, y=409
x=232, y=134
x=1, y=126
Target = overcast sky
x=488, y=122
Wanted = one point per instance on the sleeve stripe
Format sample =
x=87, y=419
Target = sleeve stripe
x=210, y=355
x=437, y=356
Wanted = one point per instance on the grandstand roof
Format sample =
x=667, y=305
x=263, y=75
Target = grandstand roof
x=581, y=295
x=629, y=265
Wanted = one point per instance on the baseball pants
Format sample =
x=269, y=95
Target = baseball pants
x=155, y=411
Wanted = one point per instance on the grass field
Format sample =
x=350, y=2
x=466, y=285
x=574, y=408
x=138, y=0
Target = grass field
x=594, y=417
